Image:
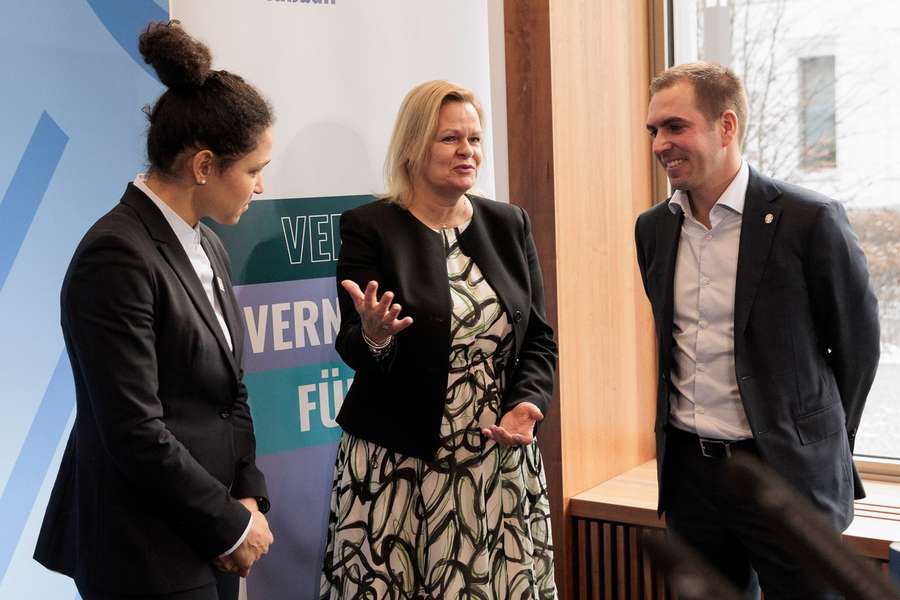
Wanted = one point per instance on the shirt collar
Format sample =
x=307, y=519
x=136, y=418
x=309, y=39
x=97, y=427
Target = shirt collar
x=733, y=197
x=183, y=231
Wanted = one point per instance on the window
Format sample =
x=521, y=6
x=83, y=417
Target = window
x=817, y=145
x=824, y=91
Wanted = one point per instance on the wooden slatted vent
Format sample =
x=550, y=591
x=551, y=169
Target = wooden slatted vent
x=612, y=564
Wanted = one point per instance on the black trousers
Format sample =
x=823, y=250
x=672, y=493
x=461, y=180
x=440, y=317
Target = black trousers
x=226, y=587
x=727, y=528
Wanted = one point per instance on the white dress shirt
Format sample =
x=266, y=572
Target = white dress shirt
x=190, y=238
x=706, y=399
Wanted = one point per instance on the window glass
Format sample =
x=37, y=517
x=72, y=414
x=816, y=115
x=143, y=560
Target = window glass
x=817, y=112
x=823, y=82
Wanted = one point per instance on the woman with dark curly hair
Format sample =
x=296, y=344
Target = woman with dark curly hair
x=158, y=495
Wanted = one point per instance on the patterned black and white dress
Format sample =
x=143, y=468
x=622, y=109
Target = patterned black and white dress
x=474, y=523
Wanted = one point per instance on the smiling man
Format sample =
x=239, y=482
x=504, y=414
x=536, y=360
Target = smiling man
x=767, y=332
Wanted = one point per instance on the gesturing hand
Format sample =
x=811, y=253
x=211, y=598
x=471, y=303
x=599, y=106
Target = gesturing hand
x=379, y=317
x=517, y=426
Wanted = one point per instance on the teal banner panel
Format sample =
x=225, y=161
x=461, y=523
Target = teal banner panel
x=296, y=408
x=286, y=239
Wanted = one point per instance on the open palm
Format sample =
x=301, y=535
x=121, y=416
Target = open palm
x=516, y=427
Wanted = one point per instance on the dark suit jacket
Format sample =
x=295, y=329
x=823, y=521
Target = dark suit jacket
x=163, y=440
x=806, y=334
x=397, y=401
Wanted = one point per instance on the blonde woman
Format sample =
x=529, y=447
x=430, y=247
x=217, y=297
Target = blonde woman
x=439, y=488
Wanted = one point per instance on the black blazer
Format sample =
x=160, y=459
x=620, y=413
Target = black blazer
x=806, y=334
x=163, y=441
x=397, y=401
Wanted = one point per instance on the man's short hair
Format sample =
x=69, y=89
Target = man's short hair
x=716, y=88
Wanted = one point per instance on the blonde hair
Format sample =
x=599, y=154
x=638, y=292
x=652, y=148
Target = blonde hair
x=716, y=89
x=414, y=133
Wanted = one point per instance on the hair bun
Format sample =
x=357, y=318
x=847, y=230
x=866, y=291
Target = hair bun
x=178, y=59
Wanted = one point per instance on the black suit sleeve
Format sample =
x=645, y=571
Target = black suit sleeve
x=639, y=248
x=108, y=306
x=845, y=309
x=533, y=375
x=249, y=481
x=358, y=261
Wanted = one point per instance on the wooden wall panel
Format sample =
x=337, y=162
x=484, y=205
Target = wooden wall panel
x=579, y=162
x=600, y=69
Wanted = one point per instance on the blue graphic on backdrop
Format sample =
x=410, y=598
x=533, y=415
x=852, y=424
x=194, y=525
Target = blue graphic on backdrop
x=25, y=193
x=124, y=20
x=73, y=137
x=24, y=484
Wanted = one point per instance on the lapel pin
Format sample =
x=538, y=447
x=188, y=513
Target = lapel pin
x=221, y=285
x=769, y=218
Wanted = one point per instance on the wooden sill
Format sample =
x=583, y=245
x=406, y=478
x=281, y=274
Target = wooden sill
x=880, y=469
x=631, y=498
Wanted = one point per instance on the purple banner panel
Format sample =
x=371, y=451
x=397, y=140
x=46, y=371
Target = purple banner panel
x=300, y=491
x=289, y=323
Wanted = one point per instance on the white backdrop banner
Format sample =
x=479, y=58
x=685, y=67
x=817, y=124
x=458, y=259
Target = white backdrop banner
x=335, y=72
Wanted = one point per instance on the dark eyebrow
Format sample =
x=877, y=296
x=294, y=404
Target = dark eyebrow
x=667, y=122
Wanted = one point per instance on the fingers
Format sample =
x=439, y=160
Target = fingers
x=504, y=437
x=379, y=316
x=254, y=546
x=371, y=294
x=226, y=565
x=384, y=314
x=384, y=305
x=243, y=558
x=532, y=411
x=391, y=314
x=260, y=536
x=229, y=566
x=389, y=318
x=367, y=301
x=516, y=427
x=526, y=413
x=391, y=324
x=259, y=549
x=355, y=293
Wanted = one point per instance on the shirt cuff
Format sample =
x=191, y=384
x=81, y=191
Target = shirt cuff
x=240, y=539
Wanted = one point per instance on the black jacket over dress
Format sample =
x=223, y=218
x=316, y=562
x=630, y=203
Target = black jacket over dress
x=163, y=440
x=806, y=334
x=397, y=401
